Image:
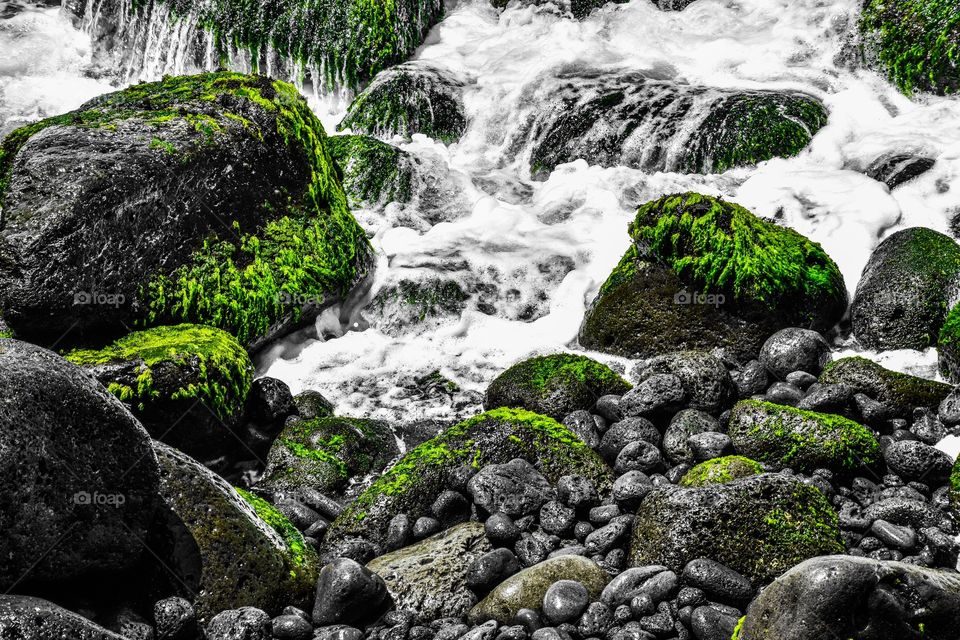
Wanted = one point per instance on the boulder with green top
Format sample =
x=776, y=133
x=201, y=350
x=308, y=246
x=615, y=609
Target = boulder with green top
x=207, y=199
x=337, y=44
x=414, y=97
x=496, y=437
x=428, y=579
x=326, y=453
x=759, y=526
x=785, y=436
x=187, y=383
x=902, y=298
x=720, y=471
x=899, y=392
x=917, y=42
x=555, y=385
x=374, y=173
x=703, y=273
x=227, y=548
x=525, y=590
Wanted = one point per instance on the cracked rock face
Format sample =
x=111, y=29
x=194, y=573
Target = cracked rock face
x=856, y=598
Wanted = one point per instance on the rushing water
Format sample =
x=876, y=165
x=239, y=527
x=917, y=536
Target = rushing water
x=534, y=252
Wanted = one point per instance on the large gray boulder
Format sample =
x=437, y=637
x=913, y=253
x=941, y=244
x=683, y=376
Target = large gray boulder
x=428, y=579
x=27, y=618
x=78, y=477
x=857, y=599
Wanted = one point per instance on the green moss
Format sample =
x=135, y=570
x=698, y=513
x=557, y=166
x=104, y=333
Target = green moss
x=948, y=345
x=301, y=555
x=807, y=524
x=918, y=41
x=162, y=145
x=748, y=128
x=721, y=247
x=720, y=471
x=739, y=628
x=373, y=172
x=623, y=273
x=804, y=440
x=223, y=368
x=901, y=392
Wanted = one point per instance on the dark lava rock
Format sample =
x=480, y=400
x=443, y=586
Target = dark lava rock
x=291, y=627
x=516, y=488
x=895, y=169
x=900, y=392
x=705, y=379
x=659, y=394
x=758, y=526
x=913, y=460
x=175, y=619
x=684, y=424
x=902, y=298
x=349, y=593
x=245, y=623
x=752, y=379
x=565, y=601
x=413, y=97
x=27, y=618
x=848, y=597
x=709, y=445
x=718, y=581
x=794, y=349
x=491, y=569
x=554, y=385
x=73, y=462
x=135, y=187
x=270, y=403
x=622, y=433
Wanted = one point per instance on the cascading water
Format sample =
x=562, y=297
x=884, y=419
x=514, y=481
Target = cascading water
x=526, y=249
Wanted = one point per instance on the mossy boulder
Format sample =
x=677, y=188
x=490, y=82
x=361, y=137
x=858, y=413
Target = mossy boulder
x=555, y=385
x=327, y=453
x=900, y=392
x=416, y=305
x=187, y=384
x=917, y=42
x=759, y=526
x=703, y=273
x=802, y=440
x=720, y=471
x=207, y=199
x=335, y=43
x=496, y=437
x=849, y=597
x=374, y=173
x=415, y=97
x=954, y=492
x=948, y=345
x=78, y=478
x=228, y=548
x=902, y=298
x=661, y=125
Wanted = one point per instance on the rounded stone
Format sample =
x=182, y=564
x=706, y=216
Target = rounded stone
x=349, y=593
x=794, y=349
x=565, y=601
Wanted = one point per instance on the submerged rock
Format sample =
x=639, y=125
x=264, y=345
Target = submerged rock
x=78, y=477
x=898, y=168
x=374, y=172
x=187, y=384
x=415, y=97
x=206, y=199
x=759, y=526
x=703, y=274
x=555, y=385
x=903, y=295
x=857, y=598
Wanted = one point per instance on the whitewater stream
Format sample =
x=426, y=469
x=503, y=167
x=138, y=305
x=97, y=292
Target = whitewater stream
x=533, y=253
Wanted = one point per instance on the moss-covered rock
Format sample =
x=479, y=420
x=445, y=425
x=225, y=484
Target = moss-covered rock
x=803, y=440
x=662, y=125
x=187, y=384
x=720, y=471
x=410, y=98
x=412, y=484
x=410, y=305
x=345, y=41
x=902, y=298
x=948, y=345
x=916, y=41
x=207, y=199
x=954, y=491
x=374, y=173
x=326, y=453
x=554, y=385
x=229, y=549
x=703, y=273
x=900, y=392
x=759, y=526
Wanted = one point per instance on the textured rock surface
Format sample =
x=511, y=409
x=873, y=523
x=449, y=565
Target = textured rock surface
x=26, y=618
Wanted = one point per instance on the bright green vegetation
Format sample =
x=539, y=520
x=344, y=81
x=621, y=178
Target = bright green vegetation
x=350, y=40
x=900, y=391
x=720, y=471
x=409, y=99
x=554, y=385
x=748, y=128
x=720, y=247
x=918, y=41
x=301, y=555
x=412, y=484
x=374, y=172
x=948, y=345
x=802, y=440
x=214, y=367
